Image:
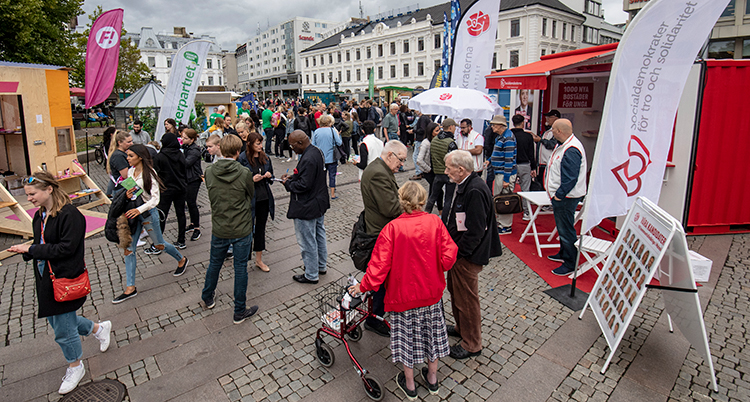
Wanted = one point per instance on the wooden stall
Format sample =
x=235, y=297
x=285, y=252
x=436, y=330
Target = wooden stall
x=36, y=132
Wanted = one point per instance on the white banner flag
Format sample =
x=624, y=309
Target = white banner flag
x=184, y=80
x=651, y=66
x=474, y=45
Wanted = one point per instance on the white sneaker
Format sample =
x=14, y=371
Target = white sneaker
x=106, y=328
x=289, y=160
x=526, y=217
x=141, y=243
x=73, y=376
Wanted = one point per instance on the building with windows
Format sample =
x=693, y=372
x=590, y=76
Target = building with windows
x=157, y=50
x=730, y=38
x=267, y=63
x=596, y=31
x=403, y=51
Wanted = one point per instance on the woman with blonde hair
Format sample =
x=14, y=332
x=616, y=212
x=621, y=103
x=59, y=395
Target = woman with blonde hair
x=117, y=160
x=325, y=138
x=414, y=284
x=58, y=248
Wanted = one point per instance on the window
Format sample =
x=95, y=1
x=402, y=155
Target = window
x=359, y=75
x=393, y=71
x=339, y=76
x=594, y=8
x=357, y=55
x=437, y=41
x=746, y=46
x=515, y=28
x=315, y=78
x=564, y=31
x=348, y=55
x=169, y=62
x=380, y=50
x=573, y=33
x=406, y=69
x=314, y=61
x=210, y=80
x=420, y=44
x=151, y=61
x=420, y=68
x=437, y=64
x=369, y=52
x=544, y=27
x=348, y=75
x=544, y=52
x=330, y=58
x=514, y=60
x=494, y=61
x=64, y=140
x=406, y=46
x=554, y=29
x=393, y=48
x=322, y=59
x=590, y=35
x=324, y=25
x=317, y=25
x=218, y=63
x=380, y=72
x=721, y=49
x=322, y=78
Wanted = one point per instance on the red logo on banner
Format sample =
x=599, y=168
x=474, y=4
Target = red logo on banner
x=478, y=23
x=639, y=156
x=488, y=98
x=445, y=96
x=637, y=215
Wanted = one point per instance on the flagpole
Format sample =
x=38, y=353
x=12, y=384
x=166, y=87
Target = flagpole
x=88, y=170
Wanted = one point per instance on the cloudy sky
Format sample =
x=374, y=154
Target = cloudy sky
x=234, y=21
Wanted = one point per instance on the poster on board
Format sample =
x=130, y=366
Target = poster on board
x=523, y=104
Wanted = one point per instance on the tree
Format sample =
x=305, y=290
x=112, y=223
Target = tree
x=36, y=31
x=131, y=71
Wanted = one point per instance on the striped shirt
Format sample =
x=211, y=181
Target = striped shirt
x=504, y=155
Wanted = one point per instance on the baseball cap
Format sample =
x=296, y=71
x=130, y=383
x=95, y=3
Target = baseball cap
x=553, y=112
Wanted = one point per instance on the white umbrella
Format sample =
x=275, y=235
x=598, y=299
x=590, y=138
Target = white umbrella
x=456, y=103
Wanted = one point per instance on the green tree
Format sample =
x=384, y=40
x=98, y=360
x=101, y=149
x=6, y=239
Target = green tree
x=132, y=73
x=36, y=31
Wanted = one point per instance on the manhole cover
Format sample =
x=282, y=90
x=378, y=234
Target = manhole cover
x=97, y=391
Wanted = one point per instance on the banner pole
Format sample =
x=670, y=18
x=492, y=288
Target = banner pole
x=88, y=171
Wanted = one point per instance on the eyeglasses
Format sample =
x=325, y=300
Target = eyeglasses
x=32, y=179
x=399, y=159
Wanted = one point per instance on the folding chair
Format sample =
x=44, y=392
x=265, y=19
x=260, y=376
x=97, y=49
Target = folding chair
x=594, y=250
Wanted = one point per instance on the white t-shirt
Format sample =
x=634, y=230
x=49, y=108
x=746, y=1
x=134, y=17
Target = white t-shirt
x=469, y=142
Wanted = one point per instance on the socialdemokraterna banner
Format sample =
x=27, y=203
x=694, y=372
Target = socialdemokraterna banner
x=648, y=76
x=474, y=45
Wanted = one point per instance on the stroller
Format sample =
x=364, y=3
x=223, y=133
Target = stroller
x=344, y=322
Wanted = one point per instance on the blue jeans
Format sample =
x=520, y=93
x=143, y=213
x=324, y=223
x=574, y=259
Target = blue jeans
x=564, y=211
x=332, y=168
x=241, y=249
x=69, y=328
x=417, y=145
x=149, y=221
x=269, y=136
x=311, y=237
x=392, y=136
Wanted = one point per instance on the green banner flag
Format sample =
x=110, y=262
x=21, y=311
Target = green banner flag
x=371, y=87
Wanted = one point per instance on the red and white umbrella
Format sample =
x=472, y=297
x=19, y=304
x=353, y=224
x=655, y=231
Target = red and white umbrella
x=456, y=103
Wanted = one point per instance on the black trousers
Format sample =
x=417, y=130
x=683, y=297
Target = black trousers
x=192, y=202
x=279, y=145
x=262, y=209
x=269, y=135
x=176, y=198
x=430, y=177
x=437, y=193
x=346, y=143
x=378, y=307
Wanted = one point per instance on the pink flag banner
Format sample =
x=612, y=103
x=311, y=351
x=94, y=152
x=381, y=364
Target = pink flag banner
x=102, y=56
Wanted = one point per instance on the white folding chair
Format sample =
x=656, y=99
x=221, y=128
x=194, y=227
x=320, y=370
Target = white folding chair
x=594, y=250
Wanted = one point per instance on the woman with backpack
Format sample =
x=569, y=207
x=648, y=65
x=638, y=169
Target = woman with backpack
x=192, y=153
x=147, y=216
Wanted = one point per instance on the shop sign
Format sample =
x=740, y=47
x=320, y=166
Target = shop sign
x=306, y=38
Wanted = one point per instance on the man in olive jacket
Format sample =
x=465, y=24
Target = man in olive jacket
x=230, y=189
x=380, y=196
x=308, y=203
x=472, y=225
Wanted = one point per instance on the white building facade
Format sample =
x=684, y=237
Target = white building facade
x=405, y=51
x=595, y=31
x=157, y=51
x=268, y=64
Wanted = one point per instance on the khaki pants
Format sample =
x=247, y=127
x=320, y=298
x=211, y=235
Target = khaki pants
x=463, y=286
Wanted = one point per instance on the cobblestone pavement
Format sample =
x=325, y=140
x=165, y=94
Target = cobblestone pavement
x=167, y=347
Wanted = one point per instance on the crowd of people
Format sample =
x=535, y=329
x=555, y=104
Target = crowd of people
x=147, y=178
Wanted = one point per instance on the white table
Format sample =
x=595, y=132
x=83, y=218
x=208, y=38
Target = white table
x=540, y=199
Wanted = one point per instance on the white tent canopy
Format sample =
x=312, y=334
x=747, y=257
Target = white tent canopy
x=149, y=95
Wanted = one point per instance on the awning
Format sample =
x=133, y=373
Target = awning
x=77, y=91
x=534, y=75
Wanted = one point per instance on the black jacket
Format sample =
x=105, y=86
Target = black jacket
x=170, y=164
x=422, y=123
x=193, y=169
x=480, y=241
x=265, y=183
x=64, y=249
x=309, y=197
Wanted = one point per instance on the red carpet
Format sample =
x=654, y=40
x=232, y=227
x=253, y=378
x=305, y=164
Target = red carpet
x=526, y=251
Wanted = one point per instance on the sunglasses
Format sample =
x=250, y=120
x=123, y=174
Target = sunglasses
x=32, y=179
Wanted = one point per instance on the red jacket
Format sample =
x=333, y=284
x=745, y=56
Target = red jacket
x=411, y=255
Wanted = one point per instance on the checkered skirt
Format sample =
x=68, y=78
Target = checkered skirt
x=419, y=334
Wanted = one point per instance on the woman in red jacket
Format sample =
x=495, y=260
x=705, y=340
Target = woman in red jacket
x=411, y=256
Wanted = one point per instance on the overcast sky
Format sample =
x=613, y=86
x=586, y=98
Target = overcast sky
x=235, y=21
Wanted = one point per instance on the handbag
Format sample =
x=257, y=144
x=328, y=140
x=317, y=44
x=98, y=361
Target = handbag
x=65, y=289
x=338, y=154
x=506, y=204
x=361, y=244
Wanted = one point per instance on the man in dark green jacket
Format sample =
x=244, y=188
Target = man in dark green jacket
x=230, y=189
x=380, y=196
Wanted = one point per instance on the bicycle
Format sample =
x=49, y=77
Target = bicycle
x=99, y=154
